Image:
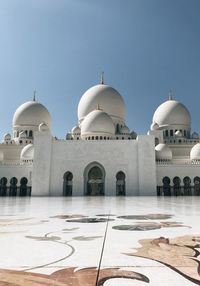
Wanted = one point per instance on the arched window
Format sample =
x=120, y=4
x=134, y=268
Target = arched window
x=67, y=184
x=187, y=186
x=23, y=187
x=117, y=129
x=3, y=186
x=177, y=186
x=94, y=180
x=166, y=186
x=120, y=184
x=30, y=133
x=13, y=187
x=196, y=186
x=156, y=141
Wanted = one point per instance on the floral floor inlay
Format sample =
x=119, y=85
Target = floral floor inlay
x=99, y=241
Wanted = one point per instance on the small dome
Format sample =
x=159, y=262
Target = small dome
x=178, y=133
x=97, y=122
x=109, y=100
x=27, y=152
x=124, y=130
x=154, y=126
x=31, y=113
x=76, y=130
x=172, y=112
x=43, y=127
x=195, y=135
x=195, y=152
x=133, y=135
x=7, y=137
x=163, y=152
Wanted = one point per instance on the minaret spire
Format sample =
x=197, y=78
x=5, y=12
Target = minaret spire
x=34, y=95
x=102, y=78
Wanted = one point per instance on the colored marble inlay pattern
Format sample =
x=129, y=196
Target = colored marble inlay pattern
x=99, y=241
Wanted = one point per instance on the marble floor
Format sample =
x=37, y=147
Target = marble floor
x=104, y=241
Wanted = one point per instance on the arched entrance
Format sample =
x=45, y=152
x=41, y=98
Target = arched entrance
x=177, y=186
x=13, y=187
x=94, y=180
x=67, y=184
x=120, y=184
x=187, y=186
x=196, y=186
x=166, y=186
x=3, y=186
x=23, y=187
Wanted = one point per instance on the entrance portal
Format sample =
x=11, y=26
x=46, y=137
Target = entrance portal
x=95, y=182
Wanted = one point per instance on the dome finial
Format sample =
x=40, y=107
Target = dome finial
x=102, y=78
x=98, y=107
x=34, y=95
x=170, y=94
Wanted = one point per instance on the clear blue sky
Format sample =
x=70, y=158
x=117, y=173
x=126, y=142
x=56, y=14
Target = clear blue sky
x=59, y=48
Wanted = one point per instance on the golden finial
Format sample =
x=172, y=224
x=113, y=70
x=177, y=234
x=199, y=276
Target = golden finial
x=102, y=78
x=170, y=94
x=34, y=95
x=98, y=107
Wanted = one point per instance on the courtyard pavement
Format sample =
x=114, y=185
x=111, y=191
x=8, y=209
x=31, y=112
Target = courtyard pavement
x=104, y=241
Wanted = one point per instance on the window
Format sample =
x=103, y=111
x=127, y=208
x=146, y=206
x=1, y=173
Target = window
x=171, y=133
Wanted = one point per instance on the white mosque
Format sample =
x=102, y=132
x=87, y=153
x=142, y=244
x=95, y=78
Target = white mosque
x=100, y=156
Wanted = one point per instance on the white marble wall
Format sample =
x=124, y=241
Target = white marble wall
x=53, y=158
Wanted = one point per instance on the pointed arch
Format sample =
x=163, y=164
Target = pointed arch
x=187, y=186
x=13, y=186
x=67, y=184
x=120, y=184
x=94, y=179
x=3, y=186
x=23, y=187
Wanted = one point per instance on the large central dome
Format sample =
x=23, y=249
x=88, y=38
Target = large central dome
x=107, y=98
